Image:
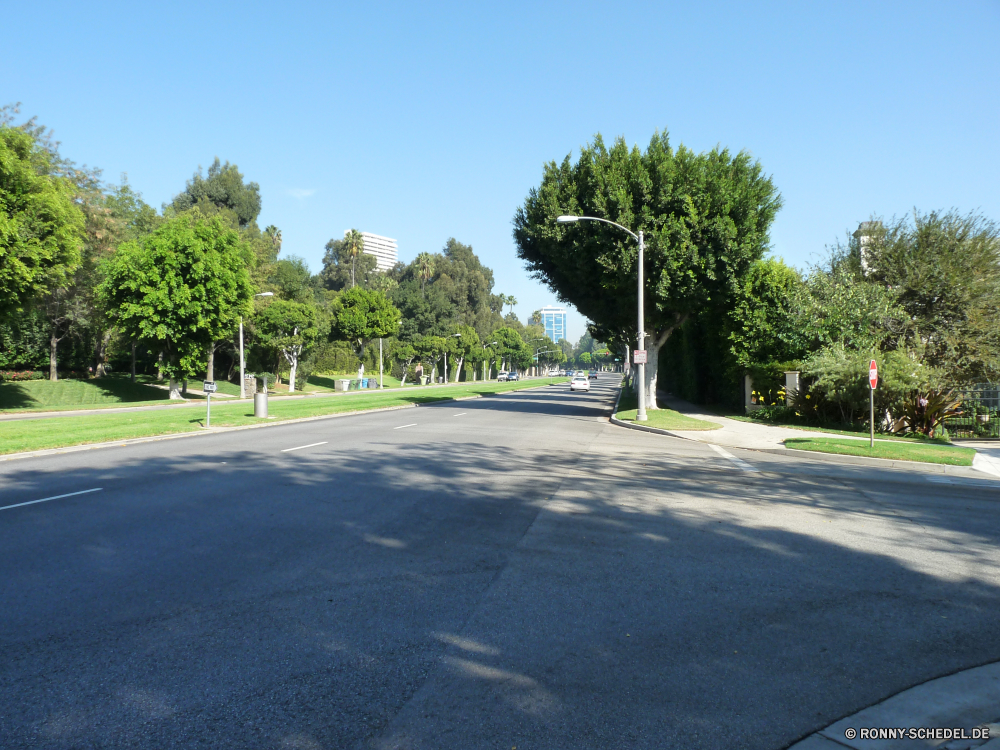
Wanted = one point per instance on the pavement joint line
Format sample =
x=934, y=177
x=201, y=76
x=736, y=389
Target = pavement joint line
x=44, y=452
x=54, y=497
x=738, y=462
x=311, y=445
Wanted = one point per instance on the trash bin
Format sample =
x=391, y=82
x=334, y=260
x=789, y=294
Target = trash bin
x=343, y=385
x=260, y=405
x=423, y=380
x=364, y=382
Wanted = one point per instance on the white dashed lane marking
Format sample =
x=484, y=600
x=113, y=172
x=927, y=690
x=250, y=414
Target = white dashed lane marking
x=54, y=497
x=300, y=447
x=405, y=425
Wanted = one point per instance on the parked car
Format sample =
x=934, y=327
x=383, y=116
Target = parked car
x=579, y=383
x=502, y=376
x=512, y=375
x=593, y=375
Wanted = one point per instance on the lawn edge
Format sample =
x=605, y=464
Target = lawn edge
x=886, y=460
x=218, y=430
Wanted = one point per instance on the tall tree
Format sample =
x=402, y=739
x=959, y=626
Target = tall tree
x=425, y=269
x=291, y=328
x=41, y=227
x=705, y=217
x=340, y=267
x=224, y=188
x=354, y=245
x=360, y=315
x=180, y=289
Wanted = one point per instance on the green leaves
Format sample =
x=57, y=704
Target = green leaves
x=180, y=288
x=41, y=228
x=362, y=314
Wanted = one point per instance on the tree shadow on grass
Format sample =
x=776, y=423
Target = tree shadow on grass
x=15, y=396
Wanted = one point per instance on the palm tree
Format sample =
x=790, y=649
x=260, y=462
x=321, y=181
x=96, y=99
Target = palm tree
x=425, y=268
x=511, y=300
x=354, y=243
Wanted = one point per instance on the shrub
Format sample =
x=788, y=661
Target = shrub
x=776, y=414
x=924, y=413
x=10, y=376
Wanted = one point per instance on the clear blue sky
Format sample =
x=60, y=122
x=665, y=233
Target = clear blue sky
x=431, y=120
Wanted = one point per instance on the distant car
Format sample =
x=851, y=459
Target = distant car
x=593, y=375
x=512, y=375
x=502, y=376
x=579, y=383
x=579, y=372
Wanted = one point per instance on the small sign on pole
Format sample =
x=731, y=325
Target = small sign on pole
x=873, y=382
x=209, y=387
x=639, y=356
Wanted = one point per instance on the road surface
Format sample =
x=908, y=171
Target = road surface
x=507, y=572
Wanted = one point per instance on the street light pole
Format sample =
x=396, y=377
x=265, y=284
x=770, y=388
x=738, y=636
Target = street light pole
x=243, y=379
x=640, y=414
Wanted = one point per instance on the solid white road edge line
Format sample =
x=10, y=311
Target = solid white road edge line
x=54, y=497
x=405, y=425
x=739, y=462
x=460, y=415
x=311, y=445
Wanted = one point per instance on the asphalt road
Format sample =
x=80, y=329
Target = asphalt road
x=507, y=572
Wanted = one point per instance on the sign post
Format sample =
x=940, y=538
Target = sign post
x=209, y=388
x=873, y=382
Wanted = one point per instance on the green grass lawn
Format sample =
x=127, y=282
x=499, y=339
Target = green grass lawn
x=932, y=453
x=664, y=419
x=77, y=394
x=58, y=432
x=909, y=437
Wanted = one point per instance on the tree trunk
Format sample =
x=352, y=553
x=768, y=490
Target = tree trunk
x=184, y=388
x=352, y=271
x=458, y=368
x=653, y=345
x=53, y=347
x=101, y=354
x=133, y=361
x=159, y=367
x=293, y=362
x=175, y=393
x=210, y=366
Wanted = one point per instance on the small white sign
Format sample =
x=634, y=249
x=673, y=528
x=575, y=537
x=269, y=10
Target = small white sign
x=640, y=356
x=210, y=387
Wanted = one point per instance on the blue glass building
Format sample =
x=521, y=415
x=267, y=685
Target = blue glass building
x=554, y=322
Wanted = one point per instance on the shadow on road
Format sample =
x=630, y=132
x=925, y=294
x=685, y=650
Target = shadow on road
x=618, y=592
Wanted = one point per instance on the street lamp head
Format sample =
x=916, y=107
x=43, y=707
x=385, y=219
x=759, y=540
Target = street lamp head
x=265, y=294
x=456, y=335
x=567, y=219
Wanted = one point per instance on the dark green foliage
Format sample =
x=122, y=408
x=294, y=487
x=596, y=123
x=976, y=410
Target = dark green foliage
x=925, y=412
x=338, y=264
x=224, y=188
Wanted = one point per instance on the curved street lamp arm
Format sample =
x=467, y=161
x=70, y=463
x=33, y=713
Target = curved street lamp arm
x=612, y=223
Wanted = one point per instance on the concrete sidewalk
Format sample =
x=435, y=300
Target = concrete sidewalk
x=735, y=433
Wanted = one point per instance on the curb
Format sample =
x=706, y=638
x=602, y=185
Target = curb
x=219, y=430
x=962, y=700
x=831, y=458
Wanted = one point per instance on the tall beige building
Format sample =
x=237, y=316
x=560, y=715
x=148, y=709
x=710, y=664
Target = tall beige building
x=383, y=248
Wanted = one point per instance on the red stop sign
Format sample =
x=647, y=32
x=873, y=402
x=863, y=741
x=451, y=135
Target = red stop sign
x=872, y=374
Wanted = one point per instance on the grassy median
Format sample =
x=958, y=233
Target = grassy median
x=664, y=419
x=894, y=450
x=60, y=432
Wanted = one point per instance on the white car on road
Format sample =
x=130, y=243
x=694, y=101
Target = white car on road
x=579, y=383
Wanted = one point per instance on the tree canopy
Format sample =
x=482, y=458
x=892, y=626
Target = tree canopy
x=41, y=227
x=361, y=315
x=224, y=188
x=180, y=289
x=706, y=218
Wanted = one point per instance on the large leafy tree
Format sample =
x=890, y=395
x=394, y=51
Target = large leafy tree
x=342, y=270
x=180, y=289
x=291, y=328
x=441, y=290
x=944, y=269
x=360, y=315
x=41, y=227
x=706, y=219
x=223, y=187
